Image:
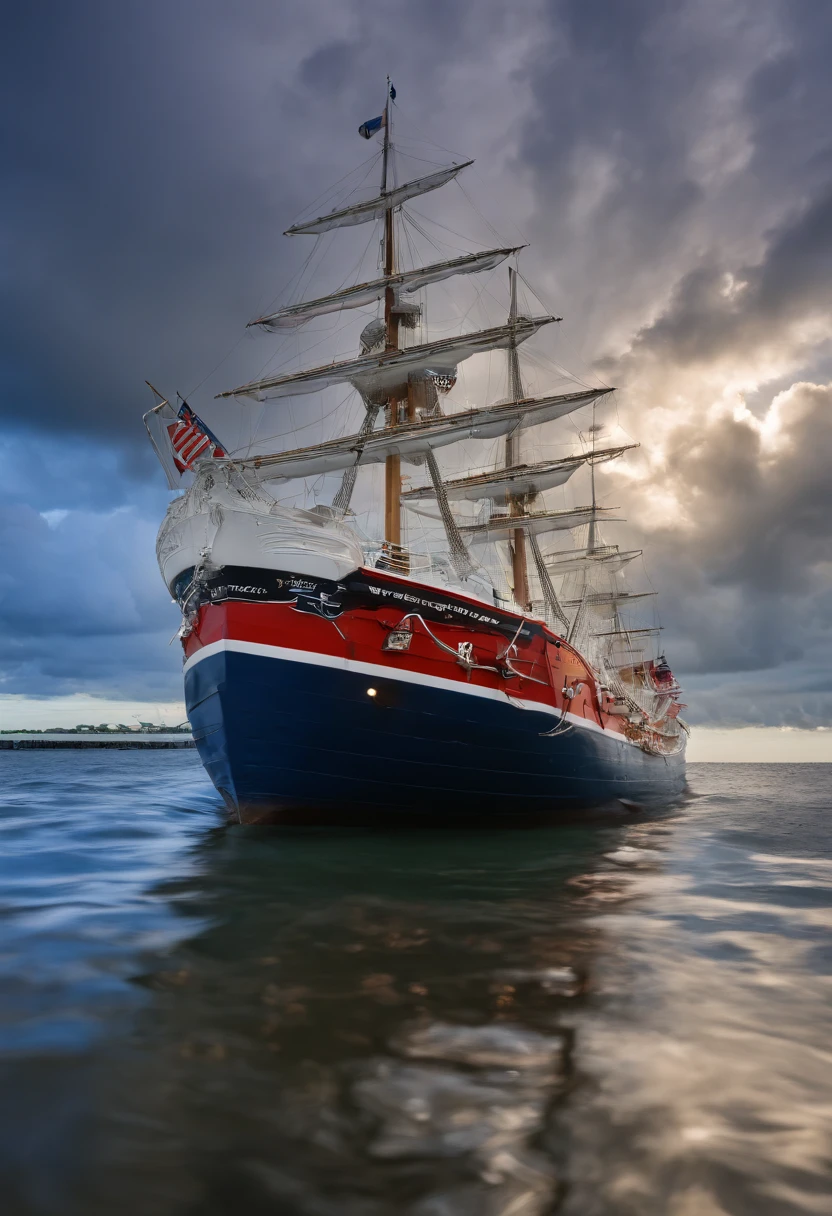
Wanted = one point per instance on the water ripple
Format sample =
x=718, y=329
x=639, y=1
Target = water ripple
x=626, y=1017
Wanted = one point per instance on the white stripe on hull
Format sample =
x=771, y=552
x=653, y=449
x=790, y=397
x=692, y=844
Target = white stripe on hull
x=380, y=670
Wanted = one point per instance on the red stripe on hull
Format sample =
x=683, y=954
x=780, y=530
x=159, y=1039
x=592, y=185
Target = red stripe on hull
x=547, y=664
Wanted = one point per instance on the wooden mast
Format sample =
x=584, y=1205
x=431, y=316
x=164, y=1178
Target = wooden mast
x=519, y=565
x=592, y=539
x=393, y=464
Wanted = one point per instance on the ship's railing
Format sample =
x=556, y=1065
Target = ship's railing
x=489, y=511
x=394, y=558
x=397, y=559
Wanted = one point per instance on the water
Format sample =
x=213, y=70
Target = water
x=623, y=1016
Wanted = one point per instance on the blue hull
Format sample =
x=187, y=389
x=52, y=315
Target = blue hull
x=301, y=742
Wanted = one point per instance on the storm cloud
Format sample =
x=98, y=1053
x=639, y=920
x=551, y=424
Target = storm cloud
x=670, y=162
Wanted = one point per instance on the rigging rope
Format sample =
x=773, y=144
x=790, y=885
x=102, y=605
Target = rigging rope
x=578, y=619
x=475, y=208
x=549, y=593
x=341, y=501
x=367, y=165
x=460, y=557
x=471, y=240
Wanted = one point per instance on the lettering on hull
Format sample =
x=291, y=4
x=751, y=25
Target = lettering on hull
x=330, y=599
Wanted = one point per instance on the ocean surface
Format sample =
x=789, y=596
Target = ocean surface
x=628, y=1014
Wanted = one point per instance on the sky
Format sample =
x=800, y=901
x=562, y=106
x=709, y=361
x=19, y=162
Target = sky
x=670, y=165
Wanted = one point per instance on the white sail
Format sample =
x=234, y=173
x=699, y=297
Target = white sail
x=502, y=527
x=367, y=293
x=501, y=484
x=608, y=558
x=374, y=208
x=413, y=439
x=386, y=370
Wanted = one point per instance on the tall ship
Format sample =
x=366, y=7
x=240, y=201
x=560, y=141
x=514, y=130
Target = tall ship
x=467, y=648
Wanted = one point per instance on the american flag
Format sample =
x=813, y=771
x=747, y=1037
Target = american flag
x=190, y=439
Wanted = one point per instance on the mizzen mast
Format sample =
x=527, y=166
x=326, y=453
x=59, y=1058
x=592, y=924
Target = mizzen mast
x=592, y=539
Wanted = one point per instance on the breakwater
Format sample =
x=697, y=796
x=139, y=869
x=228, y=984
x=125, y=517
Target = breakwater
x=132, y=742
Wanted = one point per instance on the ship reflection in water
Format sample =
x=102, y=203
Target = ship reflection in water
x=625, y=1015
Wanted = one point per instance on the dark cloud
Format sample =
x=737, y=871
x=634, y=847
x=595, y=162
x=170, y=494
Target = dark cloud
x=689, y=168
x=717, y=312
x=745, y=564
x=743, y=553
x=330, y=67
x=152, y=157
x=80, y=608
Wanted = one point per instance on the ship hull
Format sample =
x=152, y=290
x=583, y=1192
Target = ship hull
x=302, y=732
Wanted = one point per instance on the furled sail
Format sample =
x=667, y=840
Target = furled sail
x=385, y=370
x=374, y=208
x=609, y=599
x=367, y=293
x=651, y=631
x=502, y=484
x=501, y=527
x=605, y=557
x=413, y=439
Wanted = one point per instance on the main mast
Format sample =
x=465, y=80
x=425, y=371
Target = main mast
x=393, y=464
x=519, y=565
x=592, y=539
x=404, y=382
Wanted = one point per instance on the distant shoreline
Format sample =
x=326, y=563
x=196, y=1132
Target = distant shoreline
x=134, y=741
